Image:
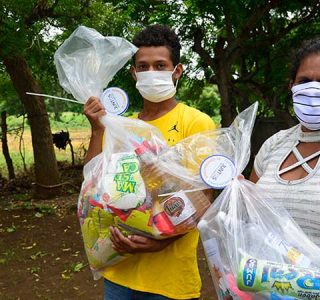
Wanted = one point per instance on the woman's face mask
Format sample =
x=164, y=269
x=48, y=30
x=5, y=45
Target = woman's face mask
x=306, y=104
x=156, y=86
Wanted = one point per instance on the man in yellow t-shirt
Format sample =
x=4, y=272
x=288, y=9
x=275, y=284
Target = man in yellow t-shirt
x=159, y=269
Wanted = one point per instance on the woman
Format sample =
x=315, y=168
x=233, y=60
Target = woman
x=287, y=164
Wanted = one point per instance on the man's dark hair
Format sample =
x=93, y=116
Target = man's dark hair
x=309, y=47
x=159, y=35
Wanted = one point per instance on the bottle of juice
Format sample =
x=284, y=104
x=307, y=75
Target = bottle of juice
x=183, y=209
x=153, y=176
x=154, y=179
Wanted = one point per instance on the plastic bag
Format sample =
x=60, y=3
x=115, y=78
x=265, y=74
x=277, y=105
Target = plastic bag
x=141, y=186
x=87, y=61
x=255, y=251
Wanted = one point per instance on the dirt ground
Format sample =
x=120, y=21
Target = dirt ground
x=41, y=252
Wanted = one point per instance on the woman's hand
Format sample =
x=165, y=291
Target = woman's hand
x=94, y=110
x=136, y=243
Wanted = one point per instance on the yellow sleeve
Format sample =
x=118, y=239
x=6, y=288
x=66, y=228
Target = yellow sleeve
x=201, y=122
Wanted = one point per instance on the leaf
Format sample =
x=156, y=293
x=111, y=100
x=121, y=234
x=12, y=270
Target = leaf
x=2, y=261
x=34, y=270
x=38, y=254
x=64, y=276
x=38, y=215
x=77, y=267
x=29, y=247
x=13, y=228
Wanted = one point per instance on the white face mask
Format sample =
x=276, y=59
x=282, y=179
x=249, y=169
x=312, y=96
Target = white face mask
x=306, y=104
x=156, y=86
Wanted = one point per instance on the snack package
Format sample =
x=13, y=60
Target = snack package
x=254, y=250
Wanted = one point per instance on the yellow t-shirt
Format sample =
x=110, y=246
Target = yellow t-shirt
x=173, y=271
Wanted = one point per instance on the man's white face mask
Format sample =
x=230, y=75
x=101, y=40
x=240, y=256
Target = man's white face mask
x=156, y=86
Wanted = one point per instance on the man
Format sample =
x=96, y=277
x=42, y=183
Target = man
x=159, y=269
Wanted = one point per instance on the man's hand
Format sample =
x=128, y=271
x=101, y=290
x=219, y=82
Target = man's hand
x=136, y=243
x=94, y=110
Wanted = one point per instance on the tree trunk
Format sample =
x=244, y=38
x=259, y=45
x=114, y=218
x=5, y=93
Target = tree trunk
x=45, y=164
x=5, y=148
x=222, y=74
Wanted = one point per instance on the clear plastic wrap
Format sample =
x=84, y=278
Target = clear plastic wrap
x=255, y=251
x=140, y=185
x=87, y=61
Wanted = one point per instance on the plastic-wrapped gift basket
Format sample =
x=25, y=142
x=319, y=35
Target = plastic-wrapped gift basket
x=255, y=251
x=141, y=185
x=86, y=62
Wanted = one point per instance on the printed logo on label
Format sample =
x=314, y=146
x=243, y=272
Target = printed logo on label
x=174, y=206
x=249, y=272
x=178, y=208
x=115, y=100
x=124, y=180
x=217, y=171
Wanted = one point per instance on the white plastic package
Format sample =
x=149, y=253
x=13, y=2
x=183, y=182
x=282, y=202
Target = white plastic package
x=87, y=61
x=255, y=251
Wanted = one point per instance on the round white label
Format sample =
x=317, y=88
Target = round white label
x=115, y=100
x=217, y=171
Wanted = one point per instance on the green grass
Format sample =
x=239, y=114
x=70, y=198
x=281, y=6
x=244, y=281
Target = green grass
x=70, y=120
x=67, y=120
x=77, y=125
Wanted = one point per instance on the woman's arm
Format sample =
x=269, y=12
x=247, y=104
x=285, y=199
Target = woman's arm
x=253, y=176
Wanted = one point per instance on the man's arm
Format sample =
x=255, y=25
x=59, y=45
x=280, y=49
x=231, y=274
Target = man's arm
x=94, y=110
x=137, y=243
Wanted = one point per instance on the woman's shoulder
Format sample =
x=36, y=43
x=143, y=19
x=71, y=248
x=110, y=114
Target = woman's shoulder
x=285, y=135
x=279, y=140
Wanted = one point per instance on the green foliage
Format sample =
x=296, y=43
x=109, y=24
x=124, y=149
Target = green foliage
x=69, y=120
x=248, y=41
x=45, y=209
x=202, y=96
x=9, y=101
x=12, y=228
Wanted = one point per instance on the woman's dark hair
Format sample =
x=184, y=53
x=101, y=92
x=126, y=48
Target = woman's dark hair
x=308, y=48
x=159, y=35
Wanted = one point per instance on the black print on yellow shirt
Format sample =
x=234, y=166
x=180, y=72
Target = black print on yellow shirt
x=174, y=128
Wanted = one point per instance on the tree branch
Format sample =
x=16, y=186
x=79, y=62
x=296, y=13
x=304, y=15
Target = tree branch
x=229, y=29
x=197, y=47
x=41, y=10
x=314, y=13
